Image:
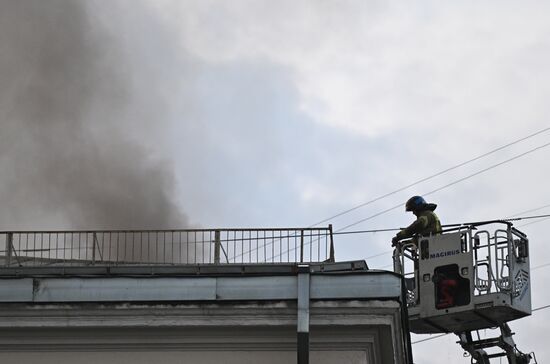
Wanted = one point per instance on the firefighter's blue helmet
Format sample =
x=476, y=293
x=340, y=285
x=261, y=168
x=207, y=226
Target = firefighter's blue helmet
x=415, y=203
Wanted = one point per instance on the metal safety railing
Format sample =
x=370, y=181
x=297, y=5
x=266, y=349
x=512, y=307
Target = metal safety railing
x=497, y=256
x=499, y=259
x=148, y=247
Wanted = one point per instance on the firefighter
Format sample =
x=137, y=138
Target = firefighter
x=426, y=221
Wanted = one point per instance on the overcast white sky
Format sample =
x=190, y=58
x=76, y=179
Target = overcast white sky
x=307, y=108
x=283, y=113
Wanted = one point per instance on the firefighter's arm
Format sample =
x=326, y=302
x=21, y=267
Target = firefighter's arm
x=417, y=226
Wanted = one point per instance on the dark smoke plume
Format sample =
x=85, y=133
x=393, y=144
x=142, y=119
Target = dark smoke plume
x=75, y=103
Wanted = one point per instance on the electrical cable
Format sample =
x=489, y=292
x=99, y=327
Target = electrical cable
x=339, y=232
x=534, y=222
x=447, y=225
x=430, y=338
x=430, y=177
x=389, y=252
x=526, y=217
x=540, y=266
x=540, y=308
x=532, y=269
x=437, y=189
x=505, y=220
x=531, y=210
x=450, y=184
x=391, y=264
x=378, y=255
x=547, y=217
x=364, y=231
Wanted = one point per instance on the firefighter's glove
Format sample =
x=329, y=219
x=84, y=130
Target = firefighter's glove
x=395, y=241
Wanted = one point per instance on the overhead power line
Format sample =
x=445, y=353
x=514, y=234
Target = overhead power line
x=338, y=232
x=519, y=218
x=437, y=189
x=532, y=269
x=389, y=265
x=531, y=210
x=450, y=184
x=431, y=176
x=321, y=234
x=430, y=338
x=535, y=222
x=540, y=266
x=540, y=308
x=379, y=255
x=546, y=217
x=364, y=231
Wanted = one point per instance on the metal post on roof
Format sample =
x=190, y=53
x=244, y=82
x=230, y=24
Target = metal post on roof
x=94, y=242
x=302, y=246
x=303, y=314
x=331, y=257
x=9, y=248
x=217, y=245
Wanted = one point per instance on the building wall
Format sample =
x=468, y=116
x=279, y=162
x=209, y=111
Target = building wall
x=189, y=357
x=341, y=332
x=228, y=315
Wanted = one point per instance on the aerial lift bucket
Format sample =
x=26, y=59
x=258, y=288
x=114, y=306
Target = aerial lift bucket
x=472, y=277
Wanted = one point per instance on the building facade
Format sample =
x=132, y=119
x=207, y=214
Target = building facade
x=144, y=297
x=350, y=315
